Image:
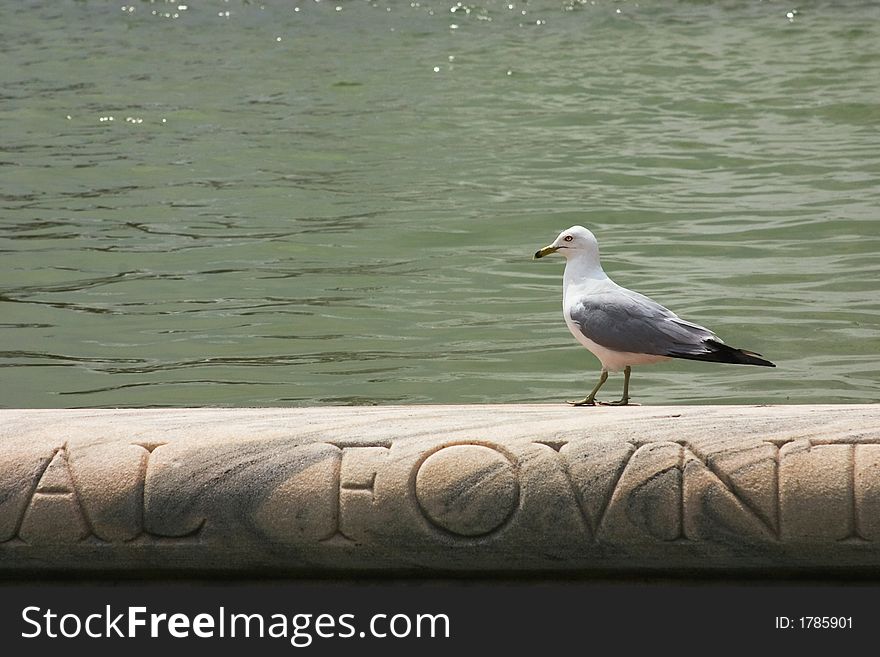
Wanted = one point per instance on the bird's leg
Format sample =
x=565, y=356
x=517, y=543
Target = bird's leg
x=590, y=400
x=624, y=401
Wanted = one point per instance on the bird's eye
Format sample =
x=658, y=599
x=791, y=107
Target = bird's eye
x=568, y=238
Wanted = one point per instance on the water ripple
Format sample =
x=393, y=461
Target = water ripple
x=343, y=211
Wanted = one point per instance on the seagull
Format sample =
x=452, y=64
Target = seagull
x=623, y=328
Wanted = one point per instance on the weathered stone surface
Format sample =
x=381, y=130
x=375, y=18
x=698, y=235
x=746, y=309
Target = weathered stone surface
x=468, y=490
x=438, y=489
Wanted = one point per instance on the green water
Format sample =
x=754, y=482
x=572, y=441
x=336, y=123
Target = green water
x=338, y=205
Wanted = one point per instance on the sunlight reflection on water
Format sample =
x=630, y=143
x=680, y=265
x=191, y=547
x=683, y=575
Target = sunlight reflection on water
x=241, y=204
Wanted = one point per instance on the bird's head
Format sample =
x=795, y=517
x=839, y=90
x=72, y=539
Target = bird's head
x=576, y=241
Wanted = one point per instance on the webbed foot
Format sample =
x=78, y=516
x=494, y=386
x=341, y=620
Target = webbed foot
x=586, y=401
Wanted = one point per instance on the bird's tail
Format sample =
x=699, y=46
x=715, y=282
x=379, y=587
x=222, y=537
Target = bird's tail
x=721, y=353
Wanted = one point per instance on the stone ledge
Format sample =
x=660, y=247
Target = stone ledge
x=441, y=489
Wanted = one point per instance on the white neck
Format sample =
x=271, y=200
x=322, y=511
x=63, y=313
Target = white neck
x=581, y=269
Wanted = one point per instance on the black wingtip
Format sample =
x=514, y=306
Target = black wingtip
x=721, y=353
x=751, y=358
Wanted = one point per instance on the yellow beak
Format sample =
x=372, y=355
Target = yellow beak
x=547, y=250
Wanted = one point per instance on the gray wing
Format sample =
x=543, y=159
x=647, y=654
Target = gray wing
x=623, y=320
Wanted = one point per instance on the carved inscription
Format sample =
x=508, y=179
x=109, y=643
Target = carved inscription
x=467, y=490
x=327, y=498
x=357, y=489
x=665, y=491
x=348, y=493
x=677, y=491
x=95, y=493
x=54, y=514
